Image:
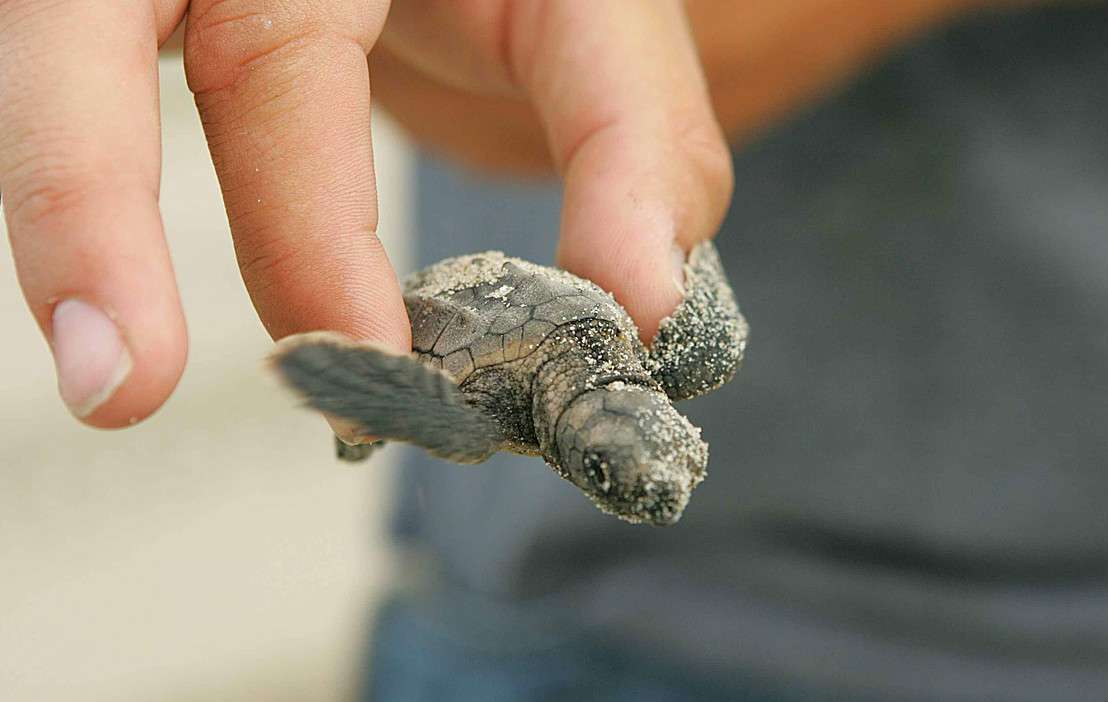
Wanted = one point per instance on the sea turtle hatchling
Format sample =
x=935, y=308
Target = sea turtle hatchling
x=513, y=356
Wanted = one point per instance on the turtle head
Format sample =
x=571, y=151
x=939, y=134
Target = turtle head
x=631, y=452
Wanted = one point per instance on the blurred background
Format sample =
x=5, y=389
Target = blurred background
x=217, y=551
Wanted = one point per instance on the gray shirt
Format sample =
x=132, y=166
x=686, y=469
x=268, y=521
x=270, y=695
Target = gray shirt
x=908, y=482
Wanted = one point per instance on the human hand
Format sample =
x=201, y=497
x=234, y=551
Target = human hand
x=762, y=61
x=283, y=93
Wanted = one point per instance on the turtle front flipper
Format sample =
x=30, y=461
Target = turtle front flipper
x=386, y=395
x=700, y=346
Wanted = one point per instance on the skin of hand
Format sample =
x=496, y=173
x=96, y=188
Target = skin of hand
x=610, y=94
x=761, y=60
x=283, y=91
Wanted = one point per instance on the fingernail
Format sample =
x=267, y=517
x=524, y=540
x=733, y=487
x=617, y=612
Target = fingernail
x=677, y=260
x=90, y=356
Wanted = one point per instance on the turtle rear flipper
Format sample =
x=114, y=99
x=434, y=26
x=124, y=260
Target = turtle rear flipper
x=700, y=346
x=385, y=395
x=355, y=452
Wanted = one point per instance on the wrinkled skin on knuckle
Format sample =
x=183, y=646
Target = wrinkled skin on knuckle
x=630, y=451
x=48, y=166
x=51, y=188
x=265, y=262
x=227, y=40
x=43, y=190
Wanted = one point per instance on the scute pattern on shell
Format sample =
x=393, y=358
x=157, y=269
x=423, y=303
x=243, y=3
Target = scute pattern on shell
x=477, y=311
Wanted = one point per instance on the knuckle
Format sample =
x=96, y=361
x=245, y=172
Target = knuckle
x=227, y=40
x=47, y=189
x=266, y=261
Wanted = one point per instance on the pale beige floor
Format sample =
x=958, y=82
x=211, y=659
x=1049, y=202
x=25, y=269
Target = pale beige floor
x=215, y=552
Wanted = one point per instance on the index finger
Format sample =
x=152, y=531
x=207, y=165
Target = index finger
x=647, y=170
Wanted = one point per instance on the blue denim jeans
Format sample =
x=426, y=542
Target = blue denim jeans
x=416, y=660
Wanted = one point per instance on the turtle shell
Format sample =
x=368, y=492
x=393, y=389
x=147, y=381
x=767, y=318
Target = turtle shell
x=487, y=310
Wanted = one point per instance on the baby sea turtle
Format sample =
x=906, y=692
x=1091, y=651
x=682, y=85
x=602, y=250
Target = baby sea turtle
x=513, y=356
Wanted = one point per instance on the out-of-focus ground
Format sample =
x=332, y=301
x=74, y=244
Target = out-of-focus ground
x=216, y=551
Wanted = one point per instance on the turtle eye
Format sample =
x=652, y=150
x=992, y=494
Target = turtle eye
x=597, y=470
